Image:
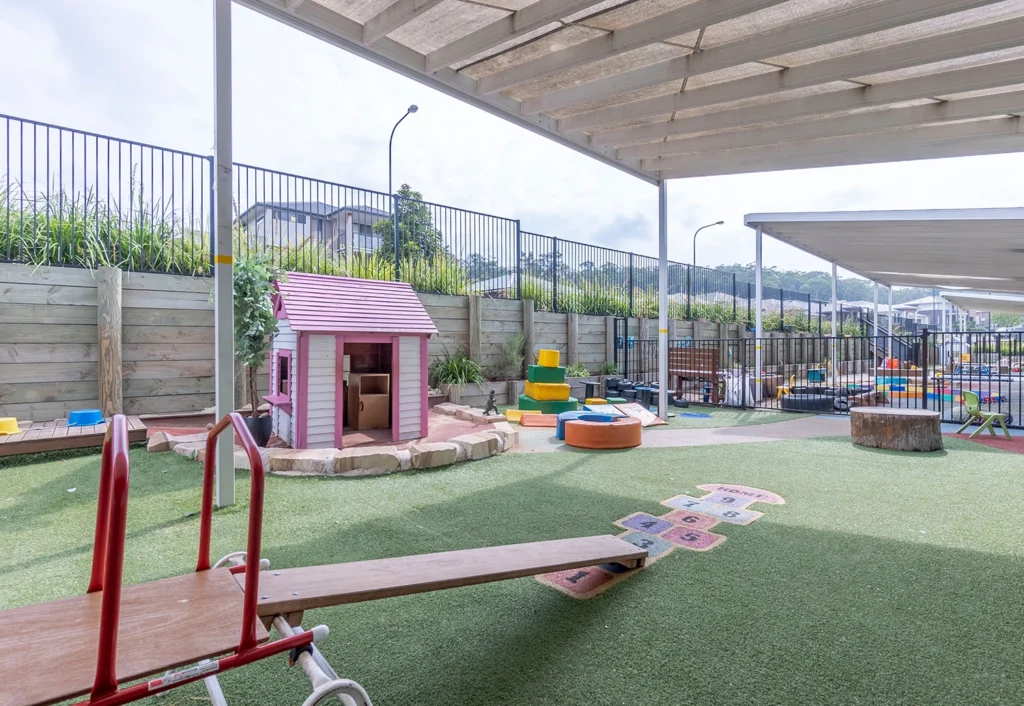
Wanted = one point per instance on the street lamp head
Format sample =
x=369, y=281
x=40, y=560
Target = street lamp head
x=720, y=223
x=413, y=108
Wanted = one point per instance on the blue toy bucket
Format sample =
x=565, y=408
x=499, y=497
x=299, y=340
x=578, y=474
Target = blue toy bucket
x=85, y=418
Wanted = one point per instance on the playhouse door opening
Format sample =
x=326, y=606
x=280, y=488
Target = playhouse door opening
x=367, y=384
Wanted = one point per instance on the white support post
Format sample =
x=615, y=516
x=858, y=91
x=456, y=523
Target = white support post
x=835, y=324
x=222, y=258
x=891, y=326
x=758, y=330
x=876, y=314
x=663, y=299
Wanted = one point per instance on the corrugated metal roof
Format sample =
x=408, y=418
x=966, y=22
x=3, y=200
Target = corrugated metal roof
x=349, y=305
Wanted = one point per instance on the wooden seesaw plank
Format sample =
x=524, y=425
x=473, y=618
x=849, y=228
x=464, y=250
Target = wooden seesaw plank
x=293, y=590
x=48, y=650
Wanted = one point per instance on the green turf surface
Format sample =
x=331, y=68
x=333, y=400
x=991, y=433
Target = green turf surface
x=885, y=579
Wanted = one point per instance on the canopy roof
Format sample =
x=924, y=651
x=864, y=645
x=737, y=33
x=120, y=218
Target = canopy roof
x=967, y=248
x=681, y=88
x=987, y=301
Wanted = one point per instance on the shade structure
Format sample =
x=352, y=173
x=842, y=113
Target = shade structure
x=679, y=88
x=965, y=248
x=994, y=302
x=665, y=89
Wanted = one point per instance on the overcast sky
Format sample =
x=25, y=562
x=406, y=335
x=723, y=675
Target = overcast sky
x=142, y=69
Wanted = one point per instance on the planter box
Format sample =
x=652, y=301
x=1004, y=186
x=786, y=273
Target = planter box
x=476, y=395
x=576, y=388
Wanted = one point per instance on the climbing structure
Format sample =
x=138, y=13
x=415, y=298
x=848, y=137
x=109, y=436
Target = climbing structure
x=546, y=389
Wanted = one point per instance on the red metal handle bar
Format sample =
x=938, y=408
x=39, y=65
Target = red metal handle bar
x=252, y=549
x=108, y=552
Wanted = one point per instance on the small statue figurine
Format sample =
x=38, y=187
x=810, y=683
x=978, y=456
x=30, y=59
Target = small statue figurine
x=491, y=407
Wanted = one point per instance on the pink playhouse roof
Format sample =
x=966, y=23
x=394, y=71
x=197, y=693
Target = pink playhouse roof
x=325, y=303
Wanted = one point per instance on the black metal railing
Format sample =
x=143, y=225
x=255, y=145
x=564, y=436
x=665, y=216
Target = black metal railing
x=826, y=375
x=75, y=198
x=69, y=197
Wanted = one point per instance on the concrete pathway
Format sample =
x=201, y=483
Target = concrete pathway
x=543, y=440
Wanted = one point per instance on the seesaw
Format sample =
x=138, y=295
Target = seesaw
x=186, y=628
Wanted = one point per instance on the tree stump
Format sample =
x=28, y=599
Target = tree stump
x=896, y=429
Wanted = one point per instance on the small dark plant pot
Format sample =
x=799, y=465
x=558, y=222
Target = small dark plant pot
x=260, y=428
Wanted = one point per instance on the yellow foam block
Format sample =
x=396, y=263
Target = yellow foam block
x=514, y=415
x=547, y=391
x=596, y=400
x=548, y=359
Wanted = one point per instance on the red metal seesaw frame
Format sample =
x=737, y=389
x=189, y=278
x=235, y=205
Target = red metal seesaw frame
x=108, y=561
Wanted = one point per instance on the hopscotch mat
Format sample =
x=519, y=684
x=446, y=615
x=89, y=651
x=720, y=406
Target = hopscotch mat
x=686, y=525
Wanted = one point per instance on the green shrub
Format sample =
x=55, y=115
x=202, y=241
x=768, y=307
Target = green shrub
x=609, y=368
x=513, y=353
x=612, y=301
x=577, y=370
x=370, y=266
x=79, y=230
x=537, y=291
x=437, y=274
x=455, y=369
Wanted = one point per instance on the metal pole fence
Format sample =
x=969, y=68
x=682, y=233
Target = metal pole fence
x=76, y=198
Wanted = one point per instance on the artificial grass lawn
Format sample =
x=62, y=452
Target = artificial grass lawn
x=885, y=579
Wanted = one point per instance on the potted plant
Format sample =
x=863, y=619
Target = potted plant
x=510, y=369
x=255, y=325
x=453, y=371
x=582, y=375
x=607, y=370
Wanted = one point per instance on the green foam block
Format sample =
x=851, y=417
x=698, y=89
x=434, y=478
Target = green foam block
x=538, y=373
x=616, y=400
x=552, y=407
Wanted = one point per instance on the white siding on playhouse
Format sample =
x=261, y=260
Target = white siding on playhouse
x=410, y=393
x=285, y=339
x=321, y=392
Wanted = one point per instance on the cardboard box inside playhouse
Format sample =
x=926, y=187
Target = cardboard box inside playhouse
x=369, y=401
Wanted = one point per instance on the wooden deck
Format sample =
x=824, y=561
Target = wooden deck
x=57, y=436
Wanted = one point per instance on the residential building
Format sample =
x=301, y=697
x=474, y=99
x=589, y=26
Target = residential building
x=343, y=229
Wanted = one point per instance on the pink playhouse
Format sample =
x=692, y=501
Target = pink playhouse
x=349, y=354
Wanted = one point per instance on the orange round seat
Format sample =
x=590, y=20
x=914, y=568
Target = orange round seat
x=621, y=434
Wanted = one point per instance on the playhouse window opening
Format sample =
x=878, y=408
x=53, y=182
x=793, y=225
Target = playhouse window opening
x=284, y=374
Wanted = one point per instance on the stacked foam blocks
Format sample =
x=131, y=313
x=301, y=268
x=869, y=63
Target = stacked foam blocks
x=546, y=389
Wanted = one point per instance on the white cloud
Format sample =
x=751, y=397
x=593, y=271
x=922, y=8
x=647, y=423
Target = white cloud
x=143, y=70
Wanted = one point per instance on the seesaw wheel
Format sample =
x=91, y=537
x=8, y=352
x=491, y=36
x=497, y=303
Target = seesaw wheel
x=620, y=434
x=232, y=559
x=237, y=559
x=345, y=690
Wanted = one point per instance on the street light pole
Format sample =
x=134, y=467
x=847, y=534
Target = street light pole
x=394, y=200
x=716, y=223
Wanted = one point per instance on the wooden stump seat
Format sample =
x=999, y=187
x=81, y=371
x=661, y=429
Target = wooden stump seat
x=896, y=429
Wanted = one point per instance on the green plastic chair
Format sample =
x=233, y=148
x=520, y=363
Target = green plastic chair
x=972, y=403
